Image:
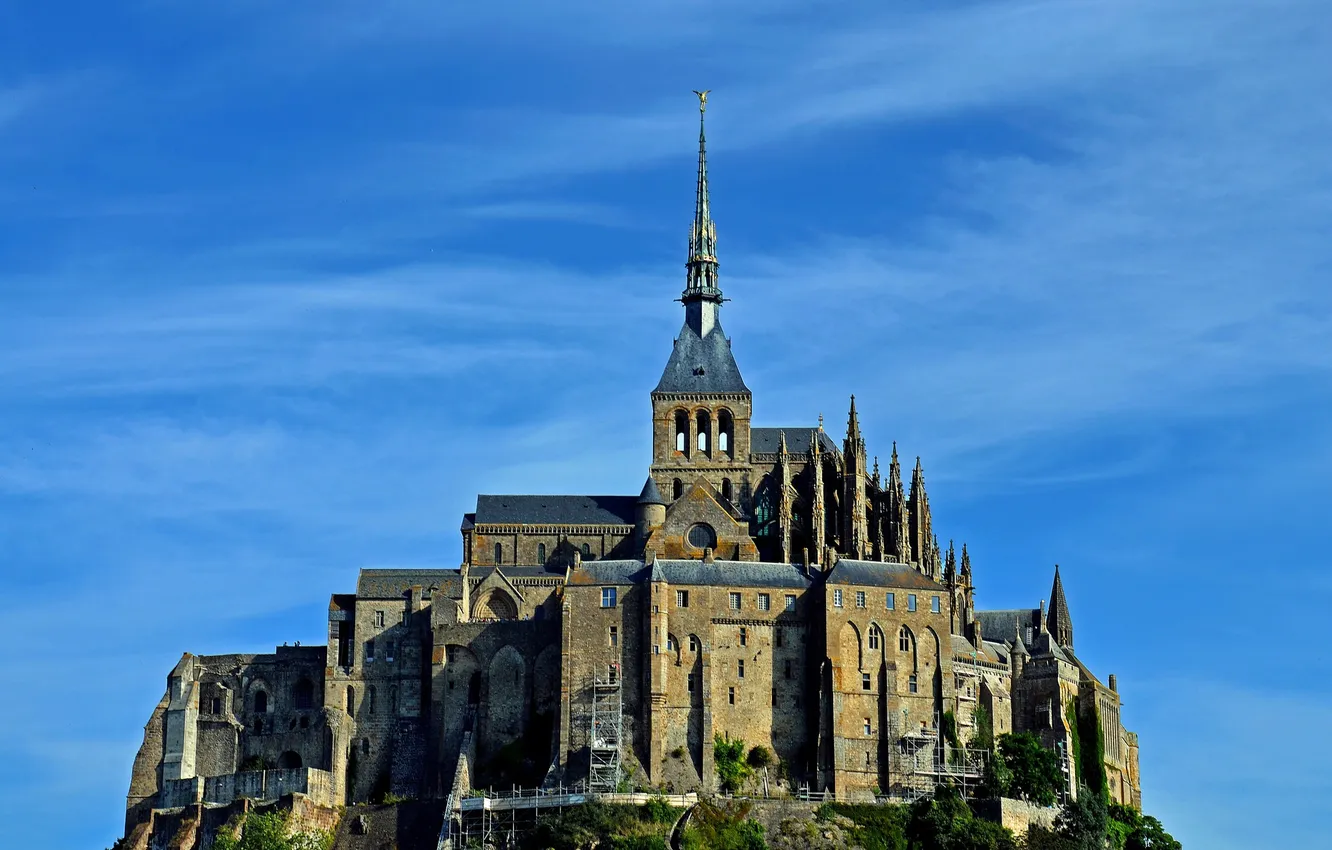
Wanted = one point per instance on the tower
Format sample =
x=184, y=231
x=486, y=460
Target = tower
x=855, y=528
x=921, y=531
x=701, y=407
x=1058, y=621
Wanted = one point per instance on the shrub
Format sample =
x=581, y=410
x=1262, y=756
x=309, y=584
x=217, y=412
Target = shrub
x=728, y=753
x=759, y=757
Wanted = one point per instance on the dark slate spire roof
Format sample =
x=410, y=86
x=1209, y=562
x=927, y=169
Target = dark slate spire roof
x=701, y=365
x=650, y=495
x=1058, y=621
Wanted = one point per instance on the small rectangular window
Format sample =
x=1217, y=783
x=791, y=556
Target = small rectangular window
x=744, y=636
x=740, y=668
x=379, y=619
x=837, y=598
x=860, y=599
x=670, y=643
x=911, y=683
x=451, y=652
x=735, y=602
x=613, y=636
x=612, y=673
x=778, y=636
x=656, y=649
x=774, y=696
x=731, y=695
x=608, y=597
x=369, y=651
x=786, y=668
x=691, y=683
x=390, y=650
x=764, y=602
x=865, y=681
x=682, y=599
x=911, y=601
x=890, y=602
x=790, y=602
x=868, y=730
x=934, y=604
x=693, y=643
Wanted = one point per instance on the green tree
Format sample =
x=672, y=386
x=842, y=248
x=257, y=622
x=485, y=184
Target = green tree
x=269, y=832
x=1084, y=821
x=1035, y=770
x=945, y=822
x=1130, y=829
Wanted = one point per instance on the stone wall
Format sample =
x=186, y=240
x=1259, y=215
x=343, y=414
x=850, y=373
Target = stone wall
x=1016, y=815
x=259, y=785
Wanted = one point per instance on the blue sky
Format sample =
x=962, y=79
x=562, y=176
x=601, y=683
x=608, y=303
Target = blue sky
x=283, y=286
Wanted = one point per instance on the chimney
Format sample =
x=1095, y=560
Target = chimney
x=1042, y=616
x=1114, y=683
x=976, y=633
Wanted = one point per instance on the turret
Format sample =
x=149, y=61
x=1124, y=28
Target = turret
x=651, y=512
x=921, y=532
x=784, y=506
x=855, y=530
x=1018, y=657
x=1059, y=622
x=817, y=518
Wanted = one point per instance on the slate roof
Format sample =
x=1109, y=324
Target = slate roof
x=768, y=440
x=516, y=571
x=650, y=495
x=880, y=574
x=394, y=583
x=718, y=573
x=734, y=573
x=701, y=365
x=1002, y=625
x=556, y=510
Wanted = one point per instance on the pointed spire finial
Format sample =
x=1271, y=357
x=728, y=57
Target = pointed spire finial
x=702, y=297
x=820, y=421
x=1058, y=621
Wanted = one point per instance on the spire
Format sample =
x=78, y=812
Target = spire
x=1058, y=621
x=875, y=477
x=950, y=564
x=966, y=563
x=650, y=495
x=853, y=425
x=701, y=296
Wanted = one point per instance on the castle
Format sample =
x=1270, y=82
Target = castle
x=766, y=583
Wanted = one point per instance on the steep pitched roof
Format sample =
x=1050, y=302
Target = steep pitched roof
x=556, y=510
x=765, y=440
x=1058, y=620
x=701, y=365
x=1000, y=625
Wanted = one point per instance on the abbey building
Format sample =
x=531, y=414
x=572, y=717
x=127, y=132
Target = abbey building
x=769, y=583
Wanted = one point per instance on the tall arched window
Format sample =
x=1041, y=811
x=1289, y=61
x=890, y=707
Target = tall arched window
x=677, y=489
x=499, y=553
x=904, y=639
x=726, y=490
x=260, y=702
x=587, y=551
x=704, y=432
x=726, y=432
x=682, y=432
x=541, y=554
x=765, y=508
x=875, y=637
x=302, y=696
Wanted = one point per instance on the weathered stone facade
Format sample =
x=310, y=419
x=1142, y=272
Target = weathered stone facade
x=766, y=583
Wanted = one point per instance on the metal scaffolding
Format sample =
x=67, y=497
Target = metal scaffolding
x=607, y=732
x=919, y=759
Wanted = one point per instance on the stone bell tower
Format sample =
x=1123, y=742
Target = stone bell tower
x=701, y=407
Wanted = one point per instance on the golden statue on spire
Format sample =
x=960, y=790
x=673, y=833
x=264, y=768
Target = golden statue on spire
x=702, y=99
